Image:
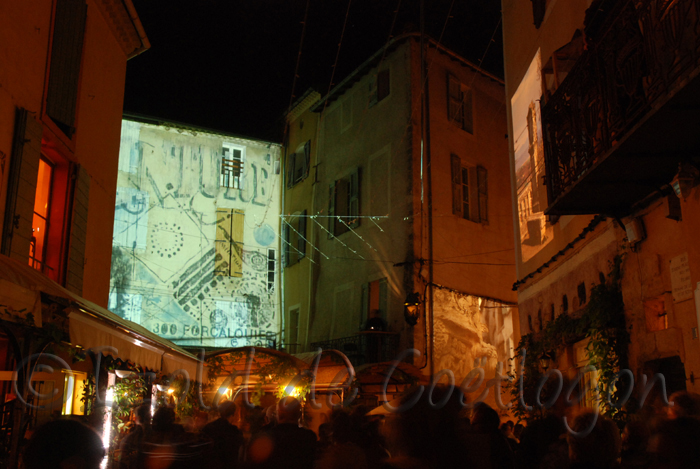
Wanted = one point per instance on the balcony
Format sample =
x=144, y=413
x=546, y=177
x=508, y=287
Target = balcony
x=627, y=113
x=364, y=347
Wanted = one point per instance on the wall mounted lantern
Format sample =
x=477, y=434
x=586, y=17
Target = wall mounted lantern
x=684, y=181
x=411, y=308
x=546, y=360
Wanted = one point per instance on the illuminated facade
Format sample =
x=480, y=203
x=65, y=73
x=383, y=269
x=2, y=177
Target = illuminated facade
x=378, y=226
x=196, y=235
x=594, y=92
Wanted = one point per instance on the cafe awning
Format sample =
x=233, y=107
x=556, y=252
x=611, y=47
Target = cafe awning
x=92, y=326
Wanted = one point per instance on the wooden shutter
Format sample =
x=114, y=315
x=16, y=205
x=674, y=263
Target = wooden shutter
x=373, y=90
x=467, y=111
x=21, y=186
x=237, y=225
x=222, y=244
x=286, y=232
x=301, y=239
x=78, y=232
x=342, y=194
x=384, y=298
x=454, y=100
x=456, y=166
x=473, y=196
x=354, y=199
x=482, y=182
x=291, y=158
x=64, y=69
x=383, y=84
x=307, y=158
x=331, y=210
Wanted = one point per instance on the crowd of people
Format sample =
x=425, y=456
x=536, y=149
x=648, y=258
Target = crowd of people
x=432, y=431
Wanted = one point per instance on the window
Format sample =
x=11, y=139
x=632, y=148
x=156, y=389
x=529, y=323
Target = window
x=229, y=243
x=40, y=221
x=271, y=268
x=73, y=388
x=64, y=68
x=298, y=164
x=344, y=204
x=469, y=191
x=375, y=297
x=379, y=87
x=581, y=293
x=232, y=167
x=295, y=239
x=459, y=104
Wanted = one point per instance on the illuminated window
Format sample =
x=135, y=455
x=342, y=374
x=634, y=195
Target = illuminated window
x=232, y=167
x=40, y=221
x=459, y=104
x=73, y=388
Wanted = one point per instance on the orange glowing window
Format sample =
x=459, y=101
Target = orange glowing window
x=40, y=222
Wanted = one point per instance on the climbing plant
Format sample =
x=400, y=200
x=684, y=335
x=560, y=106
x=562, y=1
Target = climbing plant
x=602, y=320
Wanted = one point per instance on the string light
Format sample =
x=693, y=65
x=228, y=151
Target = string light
x=334, y=237
x=302, y=237
x=356, y=234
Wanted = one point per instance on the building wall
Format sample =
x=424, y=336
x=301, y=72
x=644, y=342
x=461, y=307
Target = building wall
x=25, y=38
x=378, y=140
x=647, y=285
x=165, y=255
x=473, y=314
x=303, y=126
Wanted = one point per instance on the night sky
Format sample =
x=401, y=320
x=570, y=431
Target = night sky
x=229, y=64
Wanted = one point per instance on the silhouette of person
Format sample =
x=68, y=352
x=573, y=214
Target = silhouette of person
x=227, y=438
x=63, y=444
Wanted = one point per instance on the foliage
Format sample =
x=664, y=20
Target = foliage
x=602, y=320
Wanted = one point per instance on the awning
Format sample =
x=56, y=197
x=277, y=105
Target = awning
x=92, y=326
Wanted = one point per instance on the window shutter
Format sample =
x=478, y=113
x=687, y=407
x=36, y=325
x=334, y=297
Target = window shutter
x=78, y=232
x=365, y=305
x=223, y=243
x=307, y=158
x=21, y=186
x=473, y=196
x=331, y=210
x=64, y=69
x=482, y=182
x=301, y=240
x=354, y=199
x=373, y=90
x=454, y=100
x=383, y=84
x=342, y=209
x=237, y=225
x=467, y=111
x=290, y=169
x=287, y=250
x=456, y=165
x=384, y=298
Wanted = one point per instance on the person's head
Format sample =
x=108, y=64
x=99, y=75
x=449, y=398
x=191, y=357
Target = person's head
x=518, y=429
x=596, y=443
x=163, y=418
x=288, y=410
x=200, y=419
x=227, y=410
x=685, y=404
x=64, y=444
x=484, y=418
x=271, y=415
x=142, y=414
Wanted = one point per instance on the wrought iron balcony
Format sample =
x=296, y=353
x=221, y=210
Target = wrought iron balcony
x=627, y=113
x=364, y=347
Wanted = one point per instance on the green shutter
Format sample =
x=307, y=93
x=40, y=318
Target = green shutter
x=482, y=182
x=301, y=240
x=354, y=200
x=21, y=186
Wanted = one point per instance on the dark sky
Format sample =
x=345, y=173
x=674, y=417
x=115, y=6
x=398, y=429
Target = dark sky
x=229, y=64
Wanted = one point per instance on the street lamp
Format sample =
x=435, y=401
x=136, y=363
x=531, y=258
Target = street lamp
x=411, y=309
x=546, y=360
x=683, y=181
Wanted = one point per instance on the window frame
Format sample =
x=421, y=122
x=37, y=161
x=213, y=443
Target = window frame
x=231, y=170
x=379, y=86
x=476, y=186
x=350, y=188
x=295, y=242
x=460, y=104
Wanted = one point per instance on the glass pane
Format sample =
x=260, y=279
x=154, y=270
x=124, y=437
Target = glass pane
x=43, y=189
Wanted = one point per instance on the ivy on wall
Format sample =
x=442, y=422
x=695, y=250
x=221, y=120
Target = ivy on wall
x=602, y=320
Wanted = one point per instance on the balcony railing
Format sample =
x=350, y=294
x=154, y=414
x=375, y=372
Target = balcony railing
x=364, y=347
x=642, y=54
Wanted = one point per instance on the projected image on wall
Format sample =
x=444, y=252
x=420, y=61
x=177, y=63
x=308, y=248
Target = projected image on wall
x=534, y=230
